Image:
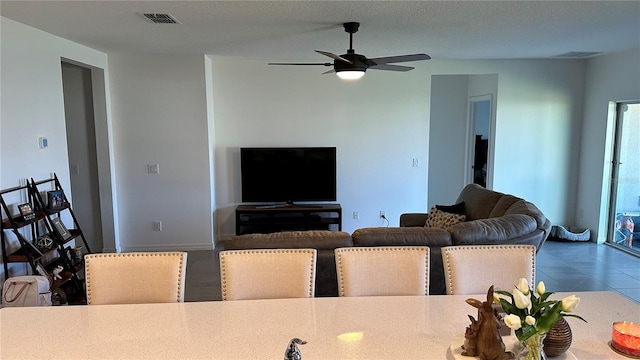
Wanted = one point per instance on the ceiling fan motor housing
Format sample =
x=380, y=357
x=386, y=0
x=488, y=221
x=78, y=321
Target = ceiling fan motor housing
x=351, y=27
x=358, y=63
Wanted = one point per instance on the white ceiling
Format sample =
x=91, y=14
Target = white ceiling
x=291, y=30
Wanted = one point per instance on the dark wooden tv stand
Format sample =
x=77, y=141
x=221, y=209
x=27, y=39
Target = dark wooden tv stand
x=264, y=219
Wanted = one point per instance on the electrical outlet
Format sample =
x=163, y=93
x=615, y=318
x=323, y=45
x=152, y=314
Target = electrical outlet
x=157, y=226
x=382, y=214
x=415, y=162
x=356, y=216
x=153, y=169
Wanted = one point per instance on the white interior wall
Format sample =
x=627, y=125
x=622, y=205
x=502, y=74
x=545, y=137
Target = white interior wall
x=31, y=102
x=159, y=113
x=211, y=142
x=539, y=107
x=378, y=124
x=538, y=119
x=447, y=138
x=614, y=77
x=449, y=146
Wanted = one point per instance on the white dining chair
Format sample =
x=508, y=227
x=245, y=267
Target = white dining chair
x=268, y=273
x=135, y=278
x=383, y=270
x=472, y=269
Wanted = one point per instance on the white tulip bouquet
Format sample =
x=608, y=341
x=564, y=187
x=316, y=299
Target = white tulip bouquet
x=530, y=313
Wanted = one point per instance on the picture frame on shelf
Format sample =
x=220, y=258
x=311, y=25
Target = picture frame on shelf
x=32, y=248
x=72, y=255
x=61, y=228
x=55, y=200
x=26, y=211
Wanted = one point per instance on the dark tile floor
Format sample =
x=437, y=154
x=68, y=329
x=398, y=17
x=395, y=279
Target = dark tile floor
x=563, y=266
x=587, y=266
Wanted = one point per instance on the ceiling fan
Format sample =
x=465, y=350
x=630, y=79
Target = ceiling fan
x=352, y=66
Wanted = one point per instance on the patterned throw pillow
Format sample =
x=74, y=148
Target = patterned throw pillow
x=441, y=219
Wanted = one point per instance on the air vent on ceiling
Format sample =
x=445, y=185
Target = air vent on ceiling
x=160, y=18
x=579, y=54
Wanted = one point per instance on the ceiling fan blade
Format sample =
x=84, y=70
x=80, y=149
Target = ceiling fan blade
x=400, y=58
x=390, y=67
x=329, y=72
x=323, y=64
x=333, y=56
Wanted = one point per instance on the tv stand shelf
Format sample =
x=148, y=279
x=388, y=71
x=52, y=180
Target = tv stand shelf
x=251, y=219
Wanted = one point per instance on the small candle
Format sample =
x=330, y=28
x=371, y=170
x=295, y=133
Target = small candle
x=626, y=338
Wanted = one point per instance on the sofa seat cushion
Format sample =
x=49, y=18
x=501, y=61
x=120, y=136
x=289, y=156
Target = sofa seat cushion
x=398, y=236
x=492, y=231
x=314, y=239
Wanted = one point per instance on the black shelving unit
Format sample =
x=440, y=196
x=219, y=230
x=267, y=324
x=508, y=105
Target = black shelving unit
x=71, y=262
x=15, y=223
x=44, y=259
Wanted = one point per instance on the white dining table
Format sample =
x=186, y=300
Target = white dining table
x=385, y=327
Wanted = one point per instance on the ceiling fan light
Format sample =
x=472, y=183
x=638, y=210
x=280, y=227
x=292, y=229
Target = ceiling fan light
x=350, y=75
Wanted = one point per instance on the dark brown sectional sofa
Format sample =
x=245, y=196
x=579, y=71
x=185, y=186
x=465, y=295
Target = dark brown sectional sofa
x=492, y=218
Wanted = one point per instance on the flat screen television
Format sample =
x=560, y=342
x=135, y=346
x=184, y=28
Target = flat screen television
x=274, y=175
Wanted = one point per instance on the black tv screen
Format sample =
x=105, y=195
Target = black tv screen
x=288, y=174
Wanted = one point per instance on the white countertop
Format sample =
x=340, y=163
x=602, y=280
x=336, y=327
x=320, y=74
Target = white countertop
x=403, y=327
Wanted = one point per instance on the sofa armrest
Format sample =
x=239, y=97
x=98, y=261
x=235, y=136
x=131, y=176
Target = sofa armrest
x=493, y=230
x=413, y=219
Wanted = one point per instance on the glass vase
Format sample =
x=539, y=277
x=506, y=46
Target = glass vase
x=532, y=348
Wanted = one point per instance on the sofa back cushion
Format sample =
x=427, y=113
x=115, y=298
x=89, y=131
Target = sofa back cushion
x=316, y=239
x=398, y=236
x=501, y=207
x=492, y=231
x=479, y=202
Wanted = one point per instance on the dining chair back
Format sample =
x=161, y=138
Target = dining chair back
x=135, y=278
x=267, y=273
x=472, y=269
x=383, y=270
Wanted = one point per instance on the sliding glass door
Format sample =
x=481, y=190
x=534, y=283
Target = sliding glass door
x=624, y=223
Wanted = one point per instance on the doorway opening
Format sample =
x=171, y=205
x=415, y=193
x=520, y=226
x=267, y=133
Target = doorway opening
x=88, y=150
x=479, y=126
x=624, y=207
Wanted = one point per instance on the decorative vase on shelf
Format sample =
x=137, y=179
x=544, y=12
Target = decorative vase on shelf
x=533, y=348
x=558, y=339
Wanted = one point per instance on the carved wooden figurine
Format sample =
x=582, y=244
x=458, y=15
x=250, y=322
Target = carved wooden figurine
x=292, y=352
x=482, y=338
